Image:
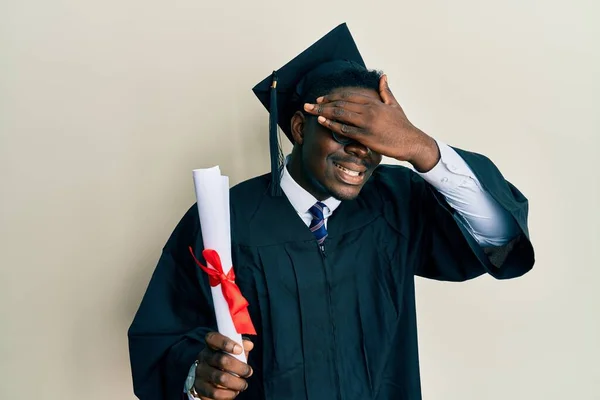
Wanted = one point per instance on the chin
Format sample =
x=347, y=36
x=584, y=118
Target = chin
x=344, y=194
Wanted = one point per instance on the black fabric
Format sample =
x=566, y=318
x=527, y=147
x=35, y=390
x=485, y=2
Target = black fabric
x=333, y=325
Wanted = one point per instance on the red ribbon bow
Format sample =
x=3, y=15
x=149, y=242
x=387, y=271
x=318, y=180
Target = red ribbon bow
x=238, y=305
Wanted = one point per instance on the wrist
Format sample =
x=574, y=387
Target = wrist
x=426, y=154
x=190, y=381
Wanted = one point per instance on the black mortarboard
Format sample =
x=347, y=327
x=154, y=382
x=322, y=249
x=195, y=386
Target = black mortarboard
x=334, y=51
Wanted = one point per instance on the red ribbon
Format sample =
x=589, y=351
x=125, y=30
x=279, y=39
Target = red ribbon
x=238, y=305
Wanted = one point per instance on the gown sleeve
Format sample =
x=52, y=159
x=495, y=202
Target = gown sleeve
x=452, y=254
x=173, y=318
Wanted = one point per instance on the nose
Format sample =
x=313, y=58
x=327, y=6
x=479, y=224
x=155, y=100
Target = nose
x=358, y=150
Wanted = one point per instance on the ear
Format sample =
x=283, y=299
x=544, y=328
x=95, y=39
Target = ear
x=298, y=122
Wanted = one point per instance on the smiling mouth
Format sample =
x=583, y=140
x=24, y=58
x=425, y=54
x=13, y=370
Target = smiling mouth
x=348, y=171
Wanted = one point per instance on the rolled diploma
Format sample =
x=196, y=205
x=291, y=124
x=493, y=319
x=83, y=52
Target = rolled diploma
x=212, y=195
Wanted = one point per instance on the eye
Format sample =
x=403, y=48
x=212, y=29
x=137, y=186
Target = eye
x=341, y=139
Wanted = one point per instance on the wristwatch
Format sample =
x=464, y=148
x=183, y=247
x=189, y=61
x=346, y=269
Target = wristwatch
x=190, y=380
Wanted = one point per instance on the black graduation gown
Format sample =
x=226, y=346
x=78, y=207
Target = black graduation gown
x=333, y=325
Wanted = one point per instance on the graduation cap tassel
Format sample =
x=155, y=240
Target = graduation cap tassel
x=274, y=146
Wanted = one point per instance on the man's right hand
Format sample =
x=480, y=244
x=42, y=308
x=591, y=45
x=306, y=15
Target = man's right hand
x=220, y=376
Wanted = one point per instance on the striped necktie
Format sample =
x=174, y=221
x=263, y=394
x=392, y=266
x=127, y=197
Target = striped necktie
x=317, y=226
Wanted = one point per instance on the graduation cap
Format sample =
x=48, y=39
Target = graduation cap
x=280, y=91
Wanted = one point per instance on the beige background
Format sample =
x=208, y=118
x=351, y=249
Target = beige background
x=106, y=106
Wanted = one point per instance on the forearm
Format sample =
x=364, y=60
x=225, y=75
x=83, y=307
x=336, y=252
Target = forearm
x=486, y=220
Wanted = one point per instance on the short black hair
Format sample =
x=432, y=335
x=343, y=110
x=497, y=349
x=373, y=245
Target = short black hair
x=349, y=77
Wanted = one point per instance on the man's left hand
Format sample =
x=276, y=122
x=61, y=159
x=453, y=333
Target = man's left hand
x=378, y=123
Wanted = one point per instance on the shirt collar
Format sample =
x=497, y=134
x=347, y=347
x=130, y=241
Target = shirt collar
x=300, y=199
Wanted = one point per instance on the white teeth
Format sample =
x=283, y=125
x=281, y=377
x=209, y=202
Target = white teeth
x=348, y=171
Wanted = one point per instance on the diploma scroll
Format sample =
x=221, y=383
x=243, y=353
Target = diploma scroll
x=212, y=195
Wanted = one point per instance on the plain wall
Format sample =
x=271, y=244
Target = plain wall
x=107, y=106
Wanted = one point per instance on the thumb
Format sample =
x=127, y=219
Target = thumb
x=248, y=346
x=385, y=92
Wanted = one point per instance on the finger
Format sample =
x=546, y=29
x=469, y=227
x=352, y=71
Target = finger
x=342, y=129
x=385, y=92
x=337, y=114
x=349, y=97
x=216, y=393
x=227, y=363
x=358, y=108
x=220, y=379
x=207, y=390
x=216, y=341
